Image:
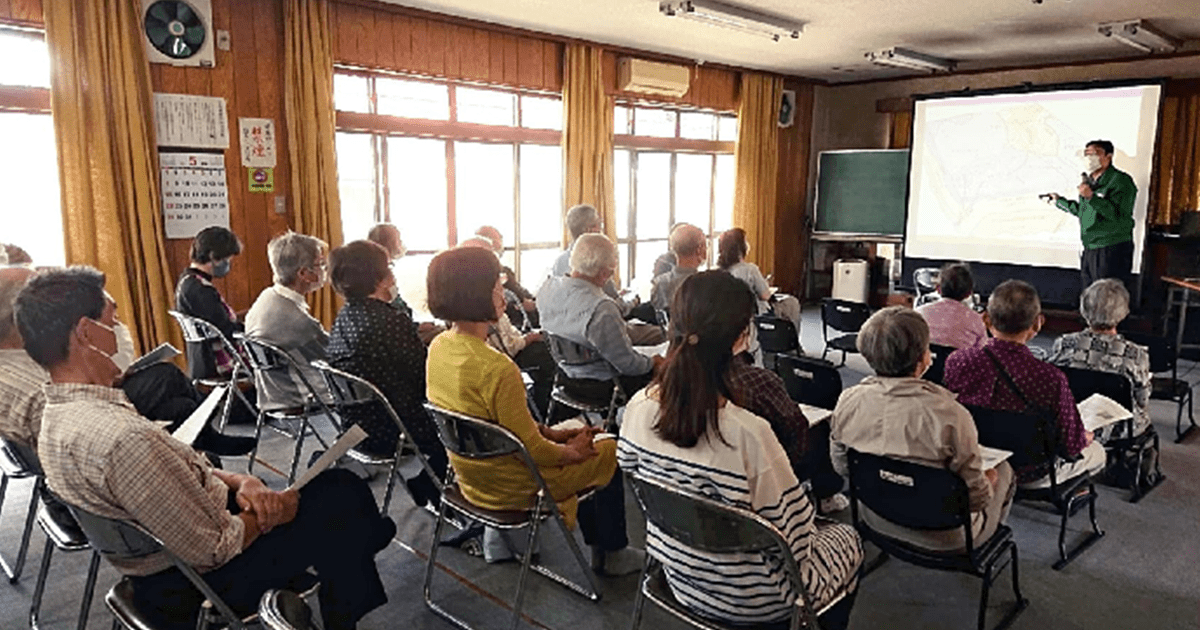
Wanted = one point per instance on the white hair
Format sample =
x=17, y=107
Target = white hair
x=1104, y=304
x=592, y=255
x=290, y=252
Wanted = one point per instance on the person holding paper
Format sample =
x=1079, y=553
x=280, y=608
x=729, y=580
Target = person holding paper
x=898, y=414
x=690, y=428
x=100, y=455
x=466, y=375
x=1104, y=305
x=980, y=376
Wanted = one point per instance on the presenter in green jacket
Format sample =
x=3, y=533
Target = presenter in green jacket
x=1105, y=211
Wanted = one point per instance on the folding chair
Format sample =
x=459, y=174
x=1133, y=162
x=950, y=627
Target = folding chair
x=355, y=393
x=567, y=352
x=1164, y=358
x=1033, y=442
x=937, y=370
x=810, y=381
x=476, y=439
x=14, y=464
x=199, y=331
x=932, y=499
x=64, y=534
x=1127, y=447
x=284, y=610
x=776, y=336
x=266, y=357
x=845, y=317
x=713, y=527
x=925, y=281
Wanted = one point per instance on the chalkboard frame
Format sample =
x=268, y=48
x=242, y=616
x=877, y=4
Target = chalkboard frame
x=902, y=216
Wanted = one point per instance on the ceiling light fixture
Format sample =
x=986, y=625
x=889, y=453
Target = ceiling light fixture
x=903, y=58
x=728, y=16
x=1141, y=35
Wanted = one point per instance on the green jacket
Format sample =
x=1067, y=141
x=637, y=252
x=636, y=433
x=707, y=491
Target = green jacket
x=1107, y=218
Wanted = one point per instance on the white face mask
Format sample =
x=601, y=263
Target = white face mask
x=123, y=358
x=393, y=292
x=742, y=344
x=1092, y=162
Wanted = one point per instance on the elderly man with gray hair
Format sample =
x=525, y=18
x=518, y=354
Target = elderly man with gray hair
x=1104, y=305
x=592, y=344
x=690, y=247
x=280, y=316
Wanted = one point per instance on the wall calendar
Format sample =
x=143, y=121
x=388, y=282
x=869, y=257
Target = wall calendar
x=195, y=194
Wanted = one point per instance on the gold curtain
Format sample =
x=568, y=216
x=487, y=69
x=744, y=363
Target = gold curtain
x=901, y=130
x=1177, y=162
x=757, y=158
x=100, y=95
x=587, y=138
x=308, y=96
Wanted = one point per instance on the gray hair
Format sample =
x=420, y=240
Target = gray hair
x=1013, y=307
x=686, y=239
x=593, y=254
x=894, y=341
x=387, y=235
x=1104, y=304
x=290, y=252
x=581, y=219
x=12, y=280
x=955, y=281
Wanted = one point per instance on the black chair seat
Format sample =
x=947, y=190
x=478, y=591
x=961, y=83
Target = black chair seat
x=61, y=528
x=985, y=552
x=1165, y=388
x=12, y=467
x=120, y=601
x=562, y=396
x=848, y=343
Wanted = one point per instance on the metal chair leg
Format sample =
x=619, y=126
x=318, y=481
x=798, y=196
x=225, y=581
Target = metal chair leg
x=639, y=598
x=89, y=588
x=14, y=572
x=526, y=562
x=983, y=597
x=39, y=588
x=433, y=551
x=258, y=426
x=391, y=483
x=296, y=452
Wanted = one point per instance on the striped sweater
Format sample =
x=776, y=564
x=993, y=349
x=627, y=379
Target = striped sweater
x=749, y=470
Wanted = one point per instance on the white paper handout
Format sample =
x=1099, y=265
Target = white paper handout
x=993, y=457
x=651, y=351
x=1098, y=411
x=164, y=352
x=349, y=440
x=190, y=429
x=575, y=423
x=815, y=415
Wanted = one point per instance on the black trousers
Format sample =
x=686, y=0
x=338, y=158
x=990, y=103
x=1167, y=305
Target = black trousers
x=602, y=517
x=1114, y=261
x=536, y=359
x=337, y=531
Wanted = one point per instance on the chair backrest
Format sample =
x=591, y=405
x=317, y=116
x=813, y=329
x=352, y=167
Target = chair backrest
x=908, y=494
x=193, y=328
x=21, y=456
x=1032, y=439
x=474, y=438
x=264, y=356
x=810, y=381
x=926, y=279
x=937, y=370
x=1084, y=383
x=348, y=389
x=1160, y=347
x=844, y=315
x=567, y=352
x=776, y=335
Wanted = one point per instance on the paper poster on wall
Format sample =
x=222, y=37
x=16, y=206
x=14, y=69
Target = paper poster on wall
x=194, y=192
x=192, y=122
x=261, y=179
x=257, y=136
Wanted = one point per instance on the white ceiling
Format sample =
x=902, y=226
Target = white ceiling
x=979, y=34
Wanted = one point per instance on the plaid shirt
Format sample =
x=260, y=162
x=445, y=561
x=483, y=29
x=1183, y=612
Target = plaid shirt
x=21, y=397
x=761, y=392
x=1110, y=353
x=100, y=455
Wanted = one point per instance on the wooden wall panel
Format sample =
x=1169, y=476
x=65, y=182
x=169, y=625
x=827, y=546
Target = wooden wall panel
x=23, y=12
x=791, y=230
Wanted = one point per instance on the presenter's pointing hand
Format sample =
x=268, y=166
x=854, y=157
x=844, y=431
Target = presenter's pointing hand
x=1049, y=197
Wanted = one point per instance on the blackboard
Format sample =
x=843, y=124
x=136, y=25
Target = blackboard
x=862, y=192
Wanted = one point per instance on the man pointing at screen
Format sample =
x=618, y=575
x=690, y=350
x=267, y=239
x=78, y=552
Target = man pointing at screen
x=1105, y=211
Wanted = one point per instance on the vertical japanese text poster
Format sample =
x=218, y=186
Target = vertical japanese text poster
x=195, y=193
x=258, y=142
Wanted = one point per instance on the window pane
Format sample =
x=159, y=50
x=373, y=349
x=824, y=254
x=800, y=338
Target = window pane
x=723, y=193
x=697, y=126
x=417, y=192
x=535, y=266
x=621, y=176
x=27, y=61
x=486, y=107
x=31, y=214
x=621, y=120
x=654, y=122
x=541, y=194
x=541, y=112
x=412, y=99
x=623, y=262
x=693, y=182
x=653, y=195
x=356, y=184
x=350, y=93
x=410, y=273
x=727, y=129
x=483, y=175
x=646, y=253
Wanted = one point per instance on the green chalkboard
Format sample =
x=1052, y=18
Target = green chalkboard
x=862, y=192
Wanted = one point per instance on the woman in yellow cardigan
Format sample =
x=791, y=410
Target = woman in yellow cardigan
x=466, y=375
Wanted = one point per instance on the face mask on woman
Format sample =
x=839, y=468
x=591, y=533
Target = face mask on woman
x=221, y=268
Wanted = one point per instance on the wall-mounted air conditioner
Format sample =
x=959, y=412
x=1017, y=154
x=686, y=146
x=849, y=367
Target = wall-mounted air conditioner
x=652, y=77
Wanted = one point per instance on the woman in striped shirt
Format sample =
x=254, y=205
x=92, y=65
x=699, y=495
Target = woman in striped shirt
x=688, y=430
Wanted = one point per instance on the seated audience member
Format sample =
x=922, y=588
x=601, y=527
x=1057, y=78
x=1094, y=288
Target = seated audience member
x=469, y=377
x=1103, y=306
x=1014, y=316
x=376, y=341
x=732, y=249
x=280, y=317
x=388, y=236
x=528, y=350
x=690, y=247
x=664, y=263
x=212, y=255
x=14, y=255
x=898, y=414
x=689, y=428
x=951, y=322
x=100, y=455
x=576, y=309
x=520, y=303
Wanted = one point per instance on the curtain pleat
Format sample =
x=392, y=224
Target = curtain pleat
x=757, y=158
x=587, y=138
x=101, y=95
x=1177, y=162
x=309, y=111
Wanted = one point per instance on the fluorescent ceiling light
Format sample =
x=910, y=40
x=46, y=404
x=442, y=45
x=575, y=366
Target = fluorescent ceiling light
x=728, y=16
x=1141, y=35
x=904, y=58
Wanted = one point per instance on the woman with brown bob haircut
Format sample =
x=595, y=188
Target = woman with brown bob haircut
x=376, y=341
x=468, y=376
